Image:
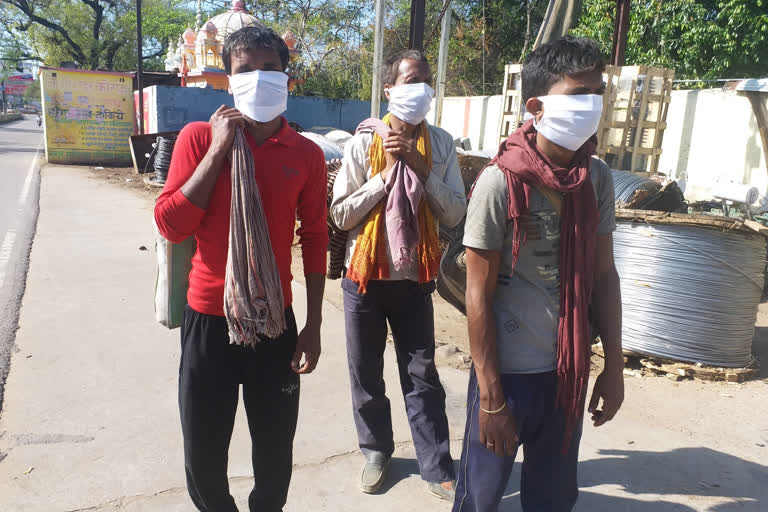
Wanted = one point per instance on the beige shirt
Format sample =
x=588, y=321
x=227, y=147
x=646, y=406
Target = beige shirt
x=355, y=193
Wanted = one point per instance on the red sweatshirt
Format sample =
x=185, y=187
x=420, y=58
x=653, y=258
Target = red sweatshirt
x=292, y=180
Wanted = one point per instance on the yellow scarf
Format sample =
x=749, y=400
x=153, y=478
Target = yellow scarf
x=369, y=260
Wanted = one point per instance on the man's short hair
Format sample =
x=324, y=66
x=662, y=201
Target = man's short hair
x=549, y=63
x=250, y=38
x=391, y=67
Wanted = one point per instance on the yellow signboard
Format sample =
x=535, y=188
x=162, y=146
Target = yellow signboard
x=89, y=116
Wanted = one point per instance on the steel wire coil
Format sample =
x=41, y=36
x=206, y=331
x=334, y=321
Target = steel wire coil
x=163, y=157
x=689, y=293
x=625, y=184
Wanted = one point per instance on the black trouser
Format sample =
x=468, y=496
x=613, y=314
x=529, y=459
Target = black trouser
x=408, y=308
x=210, y=375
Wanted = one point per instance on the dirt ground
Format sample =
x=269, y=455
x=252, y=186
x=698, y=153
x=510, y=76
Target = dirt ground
x=732, y=417
x=126, y=177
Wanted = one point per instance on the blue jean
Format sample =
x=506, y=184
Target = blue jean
x=408, y=308
x=548, y=482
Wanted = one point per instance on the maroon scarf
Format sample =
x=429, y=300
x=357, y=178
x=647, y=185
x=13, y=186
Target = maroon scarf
x=526, y=168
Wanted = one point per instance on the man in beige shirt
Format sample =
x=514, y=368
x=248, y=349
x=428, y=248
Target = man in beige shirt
x=404, y=297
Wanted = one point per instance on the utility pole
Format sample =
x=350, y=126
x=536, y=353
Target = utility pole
x=620, y=32
x=140, y=76
x=442, y=61
x=378, y=54
x=416, y=33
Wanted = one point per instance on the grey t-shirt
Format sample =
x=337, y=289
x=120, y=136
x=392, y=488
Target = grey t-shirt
x=527, y=302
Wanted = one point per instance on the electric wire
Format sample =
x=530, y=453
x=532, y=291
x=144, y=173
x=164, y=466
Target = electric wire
x=689, y=293
x=625, y=184
x=163, y=158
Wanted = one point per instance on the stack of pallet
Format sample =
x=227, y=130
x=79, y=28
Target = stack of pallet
x=512, y=108
x=634, y=117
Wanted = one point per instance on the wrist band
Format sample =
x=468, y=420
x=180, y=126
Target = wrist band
x=497, y=411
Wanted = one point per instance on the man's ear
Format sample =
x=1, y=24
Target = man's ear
x=534, y=107
x=386, y=92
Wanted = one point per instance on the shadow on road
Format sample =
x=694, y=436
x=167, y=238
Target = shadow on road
x=398, y=471
x=28, y=130
x=699, y=473
x=11, y=149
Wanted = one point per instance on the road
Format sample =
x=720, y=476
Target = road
x=91, y=420
x=20, y=143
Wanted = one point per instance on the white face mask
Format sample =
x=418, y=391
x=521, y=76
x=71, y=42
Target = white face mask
x=260, y=95
x=410, y=102
x=570, y=120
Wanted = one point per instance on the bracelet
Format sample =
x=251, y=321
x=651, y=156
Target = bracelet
x=497, y=411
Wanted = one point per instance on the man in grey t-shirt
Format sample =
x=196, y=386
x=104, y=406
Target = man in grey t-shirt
x=538, y=235
x=527, y=300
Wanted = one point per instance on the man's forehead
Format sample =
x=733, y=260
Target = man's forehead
x=243, y=52
x=412, y=72
x=586, y=80
x=412, y=67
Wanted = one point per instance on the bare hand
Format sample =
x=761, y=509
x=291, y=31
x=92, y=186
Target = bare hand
x=498, y=432
x=308, y=345
x=391, y=160
x=224, y=123
x=405, y=148
x=610, y=387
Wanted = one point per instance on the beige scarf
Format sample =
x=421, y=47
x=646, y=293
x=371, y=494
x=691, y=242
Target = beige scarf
x=253, y=296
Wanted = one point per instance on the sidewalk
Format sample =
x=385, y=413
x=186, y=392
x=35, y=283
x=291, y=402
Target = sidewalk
x=91, y=420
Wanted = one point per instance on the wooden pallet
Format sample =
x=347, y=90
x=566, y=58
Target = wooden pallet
x=635, y=106
x=680, y=371
x=512, y=108
x=637, y=364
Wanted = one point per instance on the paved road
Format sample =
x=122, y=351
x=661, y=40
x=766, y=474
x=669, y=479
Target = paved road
x=91, y=417
x=19, y=198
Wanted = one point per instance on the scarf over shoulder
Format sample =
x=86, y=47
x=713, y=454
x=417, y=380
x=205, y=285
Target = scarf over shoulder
x=410, y=225
x=526, y=168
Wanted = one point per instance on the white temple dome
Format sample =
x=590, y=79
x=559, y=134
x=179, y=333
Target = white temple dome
x=233, y=20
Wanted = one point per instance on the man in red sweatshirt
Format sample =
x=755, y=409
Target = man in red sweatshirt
x=291, y=176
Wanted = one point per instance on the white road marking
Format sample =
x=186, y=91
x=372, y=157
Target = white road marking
x=28, y=180
x=6, y=248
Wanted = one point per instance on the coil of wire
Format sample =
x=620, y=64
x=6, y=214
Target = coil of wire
x=337, y=240
x=163, y=157
x=689, y=293
x=625, y=184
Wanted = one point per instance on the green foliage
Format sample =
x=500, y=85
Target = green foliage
x=162, y=22
x=700, y=39
x=33, y=91
x=509, y=27
x=510, y=30
x=95, y=34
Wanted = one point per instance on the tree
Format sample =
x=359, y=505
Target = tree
x=485, y=35
x=95, y=34
x=70, y=30
x=701, y=39
x=32, y=93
